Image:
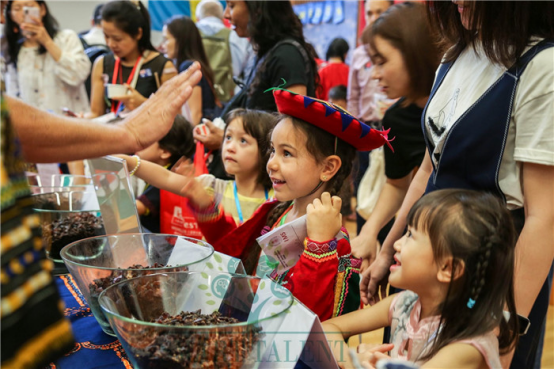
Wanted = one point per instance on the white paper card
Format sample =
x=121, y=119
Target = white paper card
x=284, y=245
x=298, y=335
x=184, y=251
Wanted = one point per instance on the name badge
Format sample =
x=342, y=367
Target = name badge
x=144, y=73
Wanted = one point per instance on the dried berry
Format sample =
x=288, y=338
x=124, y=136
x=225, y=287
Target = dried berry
x=228, y=347
x=71, y=228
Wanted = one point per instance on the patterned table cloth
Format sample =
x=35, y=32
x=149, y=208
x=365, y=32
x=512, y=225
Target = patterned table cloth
x=93, y=348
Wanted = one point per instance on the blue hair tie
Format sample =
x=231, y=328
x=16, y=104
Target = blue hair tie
x=470, y=303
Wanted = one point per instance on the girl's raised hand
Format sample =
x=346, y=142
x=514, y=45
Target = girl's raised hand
x=324, y=219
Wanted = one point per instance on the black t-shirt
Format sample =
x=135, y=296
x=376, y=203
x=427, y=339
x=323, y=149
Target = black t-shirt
x=286, y=62
x=146, y=82
x=408, y=144
x=208, y=99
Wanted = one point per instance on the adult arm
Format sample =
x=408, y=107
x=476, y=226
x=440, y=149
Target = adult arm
x=195, y=105
x=535, y=246
x=73, y=66
x=365, y=244
x=376, y=274
x=168, y=72
x=299, y=89
x=353, y=93
x=47, y=137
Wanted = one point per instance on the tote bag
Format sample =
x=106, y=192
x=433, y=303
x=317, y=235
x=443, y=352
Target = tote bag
x=372, y=183
x=175, y=215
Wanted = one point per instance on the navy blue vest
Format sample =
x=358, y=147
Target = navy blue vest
x=473, y=148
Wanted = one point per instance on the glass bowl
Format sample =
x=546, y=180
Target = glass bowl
x=66, y=217
x=45, y=183
x=195, y=319
x=98, y=262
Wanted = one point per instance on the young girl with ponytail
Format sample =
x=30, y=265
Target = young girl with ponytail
x=312, y=148
x=456, y=262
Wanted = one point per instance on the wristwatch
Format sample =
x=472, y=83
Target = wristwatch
x=523, y=322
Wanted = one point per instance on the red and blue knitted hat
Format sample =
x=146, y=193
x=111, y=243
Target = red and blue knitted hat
x=330, y=118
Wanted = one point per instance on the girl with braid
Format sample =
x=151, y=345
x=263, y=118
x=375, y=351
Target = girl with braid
x=311, y=152
x=456, y=263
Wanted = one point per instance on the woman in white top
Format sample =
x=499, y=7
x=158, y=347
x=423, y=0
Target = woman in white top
x=47, y=67
x=488, y=126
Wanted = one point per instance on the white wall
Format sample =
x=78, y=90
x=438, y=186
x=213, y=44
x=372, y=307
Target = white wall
x=77, y=14
x=74, y=14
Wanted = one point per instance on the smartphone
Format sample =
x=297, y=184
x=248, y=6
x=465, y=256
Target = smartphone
x=30, y=12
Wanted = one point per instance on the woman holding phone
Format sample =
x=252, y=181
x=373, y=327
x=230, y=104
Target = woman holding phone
x=47, y=67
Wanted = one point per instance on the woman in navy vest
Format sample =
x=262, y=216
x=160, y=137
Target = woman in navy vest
x=488, y=126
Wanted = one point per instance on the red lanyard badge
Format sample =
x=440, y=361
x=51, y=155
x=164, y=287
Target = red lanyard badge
x=116, y=68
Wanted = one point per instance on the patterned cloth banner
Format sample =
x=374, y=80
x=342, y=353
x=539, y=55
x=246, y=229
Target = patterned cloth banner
x=162, y=10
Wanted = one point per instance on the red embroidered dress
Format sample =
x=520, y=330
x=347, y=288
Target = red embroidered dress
x=325, y=278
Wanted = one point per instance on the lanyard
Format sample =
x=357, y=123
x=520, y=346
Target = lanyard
x=284, y=216
x=116, y=68
x=237, y=202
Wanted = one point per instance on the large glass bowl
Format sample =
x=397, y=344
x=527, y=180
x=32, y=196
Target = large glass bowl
x=45, y=183
x=67, y=216
x=144, y=311
x=98, y=262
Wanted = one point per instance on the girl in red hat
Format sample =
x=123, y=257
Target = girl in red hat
x=312, y=149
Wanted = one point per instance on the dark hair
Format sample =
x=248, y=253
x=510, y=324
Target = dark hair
x=338, y=92
x=97, y=15
x=477, y=231
x=271, y=22
x=338, y=49
x=406, y=28
x=129, y=18
x=15, y=38
x=321, y=144
x=259, y=125
x=505, y=27
x=178, y=141
x=189, y=45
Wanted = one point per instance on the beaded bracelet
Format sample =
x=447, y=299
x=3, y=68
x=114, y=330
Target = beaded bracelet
x=320, y=247
x=136, y=166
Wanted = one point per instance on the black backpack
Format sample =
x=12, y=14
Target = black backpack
x=93, y=52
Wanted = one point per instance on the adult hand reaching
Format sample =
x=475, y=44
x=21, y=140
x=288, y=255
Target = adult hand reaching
x=364, y=247
x=47, y=138
x=375, y=278
x=153, y=119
